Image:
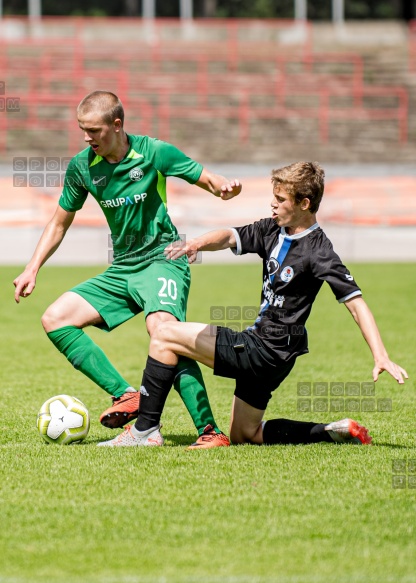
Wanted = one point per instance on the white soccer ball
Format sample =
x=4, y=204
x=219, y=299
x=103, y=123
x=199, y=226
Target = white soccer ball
x=64, y=420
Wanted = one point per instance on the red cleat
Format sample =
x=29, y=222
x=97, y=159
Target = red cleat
x=209, y=438
x=348, y=431
x=123, y=410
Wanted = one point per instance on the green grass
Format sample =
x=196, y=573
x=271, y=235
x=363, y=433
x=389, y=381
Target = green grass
x=315, y=514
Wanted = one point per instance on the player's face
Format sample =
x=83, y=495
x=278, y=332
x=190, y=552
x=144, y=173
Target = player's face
x=285, y=212
x=284, y=209
x=99, y=135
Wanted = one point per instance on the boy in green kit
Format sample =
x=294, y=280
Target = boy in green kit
x=126, y=174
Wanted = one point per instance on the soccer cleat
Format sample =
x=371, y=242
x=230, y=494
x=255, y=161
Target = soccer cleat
x=348, y=431
x=210, y=439
x=133, y=438
x=123, y=410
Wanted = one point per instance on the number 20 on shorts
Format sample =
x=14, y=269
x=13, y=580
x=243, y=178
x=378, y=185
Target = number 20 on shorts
x=168, y=288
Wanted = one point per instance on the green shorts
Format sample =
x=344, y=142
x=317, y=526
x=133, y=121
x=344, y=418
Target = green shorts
x=122, y=292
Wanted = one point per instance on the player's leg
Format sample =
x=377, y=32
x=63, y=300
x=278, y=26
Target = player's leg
x=168, y=335
x=169, y=341
x=91, y=303
x=286, y=431
x=198, y=341
x=188, y=380
x=192, y=340
x=186, y=344
x=63, y=322
x=251, y=397
x=246, y=423
x=253, y=391
x=165, y=290
x=247, y=426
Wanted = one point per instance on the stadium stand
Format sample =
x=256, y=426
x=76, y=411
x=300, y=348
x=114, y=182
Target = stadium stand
x=266, y=92
x=231, y=85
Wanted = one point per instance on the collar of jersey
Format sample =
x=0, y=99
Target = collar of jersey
x=299, y=235
x=130, y=154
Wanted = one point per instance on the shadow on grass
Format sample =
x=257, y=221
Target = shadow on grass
x=393, y=445
x=172, y=439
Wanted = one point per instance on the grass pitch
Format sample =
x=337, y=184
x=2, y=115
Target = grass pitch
x=246, y=514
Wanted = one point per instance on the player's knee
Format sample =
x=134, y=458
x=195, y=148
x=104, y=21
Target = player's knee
x=161, y=333
x=158, y=336
x=245, y=434
x=239, y=435
x=51, y=319
x=236, y=436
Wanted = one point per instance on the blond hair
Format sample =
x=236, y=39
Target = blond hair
x=105, y=103
x=302, y=180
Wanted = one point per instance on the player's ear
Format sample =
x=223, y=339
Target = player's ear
x=118, y=124
x=305, y=204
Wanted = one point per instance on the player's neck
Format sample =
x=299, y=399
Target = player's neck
x=306, y=223
x=120, y=150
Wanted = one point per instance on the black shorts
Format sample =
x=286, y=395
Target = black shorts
x=243, y=356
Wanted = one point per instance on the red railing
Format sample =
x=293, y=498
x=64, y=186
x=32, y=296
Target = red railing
x=233, y=69
x=412, y=46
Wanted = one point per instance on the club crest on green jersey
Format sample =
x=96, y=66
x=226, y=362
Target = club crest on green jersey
x=136, y=174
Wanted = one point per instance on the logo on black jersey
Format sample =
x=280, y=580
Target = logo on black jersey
x=349, y=277
x=136, y=174
x=287, y=274
x=272, y=266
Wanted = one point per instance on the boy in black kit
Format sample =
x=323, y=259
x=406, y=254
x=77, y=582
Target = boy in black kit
x=297, y=258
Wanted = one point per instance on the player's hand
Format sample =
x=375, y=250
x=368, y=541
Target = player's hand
x=24, y=285
x=396, y=371
x=230, y=189
x=180, y=248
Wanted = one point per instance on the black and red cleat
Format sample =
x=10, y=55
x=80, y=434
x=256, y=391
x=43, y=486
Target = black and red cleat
x=123, y=410
x=209, y=438
x=349, y=431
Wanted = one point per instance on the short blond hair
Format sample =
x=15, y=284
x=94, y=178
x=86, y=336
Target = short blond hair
x=302, y=180
x=105, y=103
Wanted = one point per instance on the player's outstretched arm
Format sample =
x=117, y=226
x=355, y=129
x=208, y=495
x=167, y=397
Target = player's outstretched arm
x=49, y=242
x=365, y=320
x=218, y=185
x=212, y=241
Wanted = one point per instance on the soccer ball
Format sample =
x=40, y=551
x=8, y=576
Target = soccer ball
x=64, y=420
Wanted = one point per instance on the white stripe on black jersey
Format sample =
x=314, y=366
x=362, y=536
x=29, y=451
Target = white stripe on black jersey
x=294, y=269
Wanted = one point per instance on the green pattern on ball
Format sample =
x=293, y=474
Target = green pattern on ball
x=63, y=420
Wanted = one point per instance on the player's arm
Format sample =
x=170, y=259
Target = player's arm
x=367, y=324
x=211, y=241
x=49, y=242
x=219, y=185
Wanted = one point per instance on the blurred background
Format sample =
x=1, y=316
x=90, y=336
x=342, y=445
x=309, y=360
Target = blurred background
x=242, y=86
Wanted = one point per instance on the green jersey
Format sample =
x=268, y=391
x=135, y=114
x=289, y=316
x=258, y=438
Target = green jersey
x=131, y=193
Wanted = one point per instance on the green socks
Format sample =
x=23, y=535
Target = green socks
x=86, y=356
x=191, y=388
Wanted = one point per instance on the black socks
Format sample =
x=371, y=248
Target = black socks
x=156, y=383
x=285, y=431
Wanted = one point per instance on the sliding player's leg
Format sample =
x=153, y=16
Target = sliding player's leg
x=171, y=340
x=165, y=291
x=184, y=344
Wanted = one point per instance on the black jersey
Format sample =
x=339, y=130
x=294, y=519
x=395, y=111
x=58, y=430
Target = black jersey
x=294, y=269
